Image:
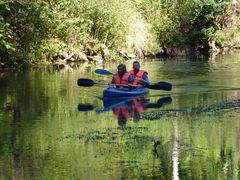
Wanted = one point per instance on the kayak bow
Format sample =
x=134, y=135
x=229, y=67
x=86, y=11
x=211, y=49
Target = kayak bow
x=120, y=93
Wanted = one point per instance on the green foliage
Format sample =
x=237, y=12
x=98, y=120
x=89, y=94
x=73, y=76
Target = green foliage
x=69, y=23
x=228, y=38
x=199, y=20
x=6, y=37
x=24, y=26
x=158, y=14
x=184, y=22
x=34, y=30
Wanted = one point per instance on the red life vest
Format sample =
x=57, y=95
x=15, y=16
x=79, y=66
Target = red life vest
x=138, y=105
x=123, y=80
x=122, y=111
x=138, y=76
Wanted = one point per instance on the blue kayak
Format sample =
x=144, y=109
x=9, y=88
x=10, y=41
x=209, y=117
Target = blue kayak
x=120, y=93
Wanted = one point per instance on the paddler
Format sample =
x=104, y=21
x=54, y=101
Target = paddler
x=122, y=77
x=140, y=77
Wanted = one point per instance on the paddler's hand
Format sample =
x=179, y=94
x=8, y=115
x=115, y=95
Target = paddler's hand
x=130, y=86
x=110, y=85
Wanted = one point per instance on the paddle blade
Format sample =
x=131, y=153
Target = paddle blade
x=85, y=107
x=165, y=100
x=103, y=72
x=160, y=86
x=85, y=82
x=160, y=102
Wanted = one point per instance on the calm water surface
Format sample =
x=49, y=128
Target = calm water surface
x=191, y=132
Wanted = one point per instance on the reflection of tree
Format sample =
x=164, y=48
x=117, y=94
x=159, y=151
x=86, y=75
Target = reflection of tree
x=210, y=109
x=206, y=143
x=24, y=98
x=175, y=152
x=26, y=94
x=162, y=155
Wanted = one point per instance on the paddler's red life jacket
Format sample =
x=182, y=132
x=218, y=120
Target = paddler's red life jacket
x=137, y=77
x=123, y=80
x=122, y=111
x=138, y=105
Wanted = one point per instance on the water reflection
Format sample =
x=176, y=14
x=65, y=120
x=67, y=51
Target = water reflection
x=125, y=109
x=42, y=136
x=175, y=152
x=212, y=109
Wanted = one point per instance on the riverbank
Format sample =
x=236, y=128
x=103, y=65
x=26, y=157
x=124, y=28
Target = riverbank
x=96, y=32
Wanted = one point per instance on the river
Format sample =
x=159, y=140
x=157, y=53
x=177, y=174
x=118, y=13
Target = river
x=50, y=128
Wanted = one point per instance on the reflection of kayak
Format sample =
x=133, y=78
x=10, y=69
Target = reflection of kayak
x=118, y=93
x=140, y=102
x=135, y=101
x=111, y=103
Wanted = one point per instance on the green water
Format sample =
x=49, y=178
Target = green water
x=43, y=135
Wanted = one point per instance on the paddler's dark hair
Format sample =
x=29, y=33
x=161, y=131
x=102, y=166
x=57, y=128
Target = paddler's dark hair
x=122, y=65
x=136, y=62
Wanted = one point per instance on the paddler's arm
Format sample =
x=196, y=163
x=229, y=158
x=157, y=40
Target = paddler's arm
x=145, y=77
x=111, y=84
x=130, y=80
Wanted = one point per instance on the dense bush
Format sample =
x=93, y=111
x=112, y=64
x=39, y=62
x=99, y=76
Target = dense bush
x=26, y=28
x=186, y=22
x=34, y=31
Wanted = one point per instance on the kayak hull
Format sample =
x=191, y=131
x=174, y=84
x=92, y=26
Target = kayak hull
x=120, y=93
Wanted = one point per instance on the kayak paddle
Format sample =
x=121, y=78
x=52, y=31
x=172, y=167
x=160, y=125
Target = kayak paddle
x=157, y=86
x=160, y=86
x=160, y=102
x=103, y=72
x=85, y=107
x=88, y=83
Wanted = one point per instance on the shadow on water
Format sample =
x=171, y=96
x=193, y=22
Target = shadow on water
x=214, y=109
x=134, y=108
x=126, y=108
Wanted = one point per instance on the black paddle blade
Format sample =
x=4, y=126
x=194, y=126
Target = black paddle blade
x=103, y=72
x=160, y=102
x=85, y=107
x=160, y=85
x=85, y=82
x=165, y=100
